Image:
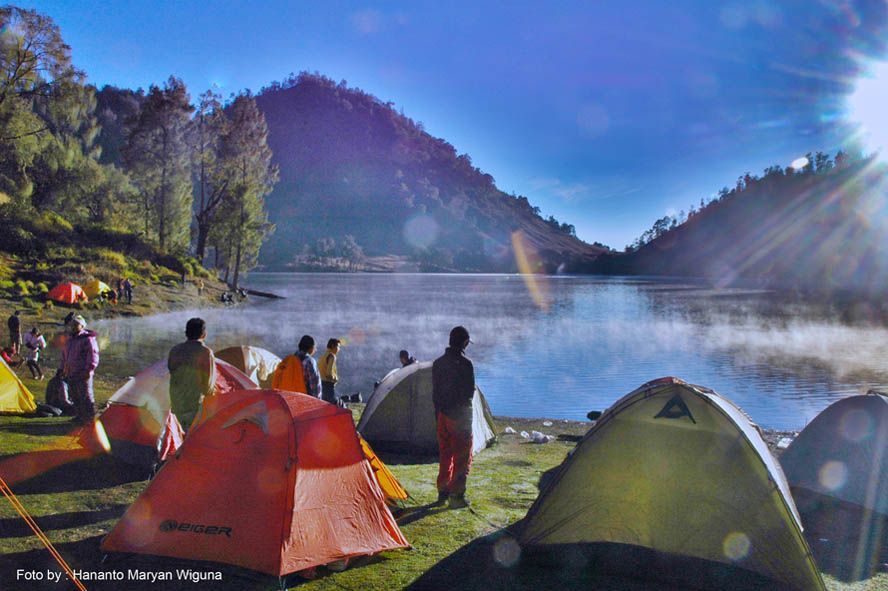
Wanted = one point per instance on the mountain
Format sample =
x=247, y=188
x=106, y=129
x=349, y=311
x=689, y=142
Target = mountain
x=350, y=165
x=821, y=227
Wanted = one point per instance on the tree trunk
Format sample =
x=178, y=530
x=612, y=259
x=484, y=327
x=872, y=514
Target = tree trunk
x=203, y=229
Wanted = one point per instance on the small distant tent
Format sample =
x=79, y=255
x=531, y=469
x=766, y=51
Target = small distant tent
x=275, y=482
x=67, y=293
x=400, y=415
x=140, y=426
x=14, y=396
x=96, y=288
x=677, y=475
x=843, y=453
x=256, y=362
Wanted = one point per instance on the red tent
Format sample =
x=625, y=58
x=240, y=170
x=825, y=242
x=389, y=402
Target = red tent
x=138, y=421
x=67, y=293
x=275, y=482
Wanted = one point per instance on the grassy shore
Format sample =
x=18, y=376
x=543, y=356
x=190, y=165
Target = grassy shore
x=76, y=504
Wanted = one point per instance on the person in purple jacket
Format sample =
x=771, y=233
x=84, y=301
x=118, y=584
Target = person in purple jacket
x=79, y=360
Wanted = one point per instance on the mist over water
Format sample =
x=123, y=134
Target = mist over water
x=595, y=340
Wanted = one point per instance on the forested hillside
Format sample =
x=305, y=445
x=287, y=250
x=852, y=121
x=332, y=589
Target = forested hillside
x=821, y=226
x=357, y=177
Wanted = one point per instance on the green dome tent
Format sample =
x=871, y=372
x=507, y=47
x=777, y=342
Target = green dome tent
x=676, y=481
x=400, y=415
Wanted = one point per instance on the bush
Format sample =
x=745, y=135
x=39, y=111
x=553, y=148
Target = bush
x=42, y=288
x=29, y=304
x=6, y=284
x=20, y=241
x=49, y=222
x=21, y=288
x=49, y=305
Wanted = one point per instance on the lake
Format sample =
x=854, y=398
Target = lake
x=554, y=346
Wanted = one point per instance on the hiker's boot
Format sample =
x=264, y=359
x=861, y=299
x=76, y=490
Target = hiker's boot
x=458, y=502
x=442, y=497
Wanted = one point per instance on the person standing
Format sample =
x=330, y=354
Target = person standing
x=192, y=368
x=406, y=358
x=128, y=290
x=80, y=359
x=299, y=372
x=328, y=372
x=453, y=387
x=15, y=332
x=34, y=341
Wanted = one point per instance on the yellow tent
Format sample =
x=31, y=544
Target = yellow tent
x=394, y=492
x=14, y=397
x=95, y=287
x=676, y=471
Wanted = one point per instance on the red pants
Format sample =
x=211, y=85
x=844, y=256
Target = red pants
x=455, y=452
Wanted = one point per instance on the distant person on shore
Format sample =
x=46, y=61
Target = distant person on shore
x=405, y=358
x=119, y=288
x=128, y=290
x=80, y=359
x=192, y=368
x=453, y=386
x=328, y=372
x=200, y=287
x=299, y=372
x=34, y=341
x=14, y=323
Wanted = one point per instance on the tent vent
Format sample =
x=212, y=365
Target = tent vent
x=675, y=409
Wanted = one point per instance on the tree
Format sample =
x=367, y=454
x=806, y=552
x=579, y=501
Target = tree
x=211, y=175
x=157, y=158
x=244, y=149
x=36, y=76
x=351, y=250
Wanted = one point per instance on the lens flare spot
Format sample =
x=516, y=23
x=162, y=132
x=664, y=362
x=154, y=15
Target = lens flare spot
x=799, y=163
x=529, y=265
x=421, y=231
x=856, y=425
x=356, y=336
x=833, y=475
x=141, y=532
x=736, y=546
x=506, y=552
x=269, y=480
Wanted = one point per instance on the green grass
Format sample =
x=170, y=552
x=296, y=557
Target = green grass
x=81, y=502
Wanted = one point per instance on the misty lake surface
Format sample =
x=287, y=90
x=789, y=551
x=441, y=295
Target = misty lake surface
x=557, y=347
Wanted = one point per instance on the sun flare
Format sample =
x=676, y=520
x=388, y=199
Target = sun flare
x=866, y=107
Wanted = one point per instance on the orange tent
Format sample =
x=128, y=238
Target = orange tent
x=67, y=293
x=275, y=482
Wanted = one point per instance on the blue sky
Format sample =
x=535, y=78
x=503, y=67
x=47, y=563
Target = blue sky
x=606, y=114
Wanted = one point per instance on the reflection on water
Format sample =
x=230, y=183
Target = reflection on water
x=597, y=339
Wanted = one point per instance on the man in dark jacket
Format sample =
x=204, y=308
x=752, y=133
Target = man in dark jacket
x=192, y=368
x=80, y=359
x=15, y=332
x=453, y=387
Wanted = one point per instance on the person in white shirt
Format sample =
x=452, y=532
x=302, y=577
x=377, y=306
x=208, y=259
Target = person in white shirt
x=34, y=341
